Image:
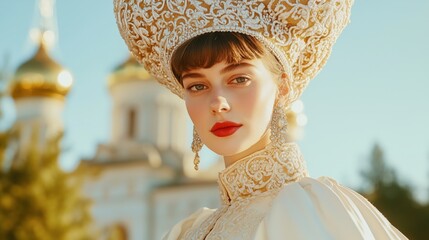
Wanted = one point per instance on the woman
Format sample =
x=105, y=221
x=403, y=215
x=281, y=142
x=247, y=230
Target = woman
x=238, y=65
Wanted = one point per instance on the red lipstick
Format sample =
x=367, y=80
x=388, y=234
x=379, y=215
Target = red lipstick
x=225, y=129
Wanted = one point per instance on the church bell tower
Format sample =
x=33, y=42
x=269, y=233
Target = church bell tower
x=40, y=84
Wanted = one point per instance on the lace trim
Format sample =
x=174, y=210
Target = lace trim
x=263, y=171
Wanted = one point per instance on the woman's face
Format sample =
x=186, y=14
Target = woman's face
x=230, y=104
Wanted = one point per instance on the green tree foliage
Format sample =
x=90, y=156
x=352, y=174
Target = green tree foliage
x=37, y=199
x=395, y=199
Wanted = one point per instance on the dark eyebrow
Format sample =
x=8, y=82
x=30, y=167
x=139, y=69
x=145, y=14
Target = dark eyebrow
x=192, y=75
x=234, y=66
x=226, y=69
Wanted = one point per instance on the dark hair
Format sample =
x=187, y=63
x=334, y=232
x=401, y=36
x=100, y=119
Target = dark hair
x=208, y=49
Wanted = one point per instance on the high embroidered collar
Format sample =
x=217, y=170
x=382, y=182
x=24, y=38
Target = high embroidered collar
x=266, y=170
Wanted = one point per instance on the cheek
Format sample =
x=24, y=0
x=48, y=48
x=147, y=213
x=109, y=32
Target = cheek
x=195, y=110
x=258, y=104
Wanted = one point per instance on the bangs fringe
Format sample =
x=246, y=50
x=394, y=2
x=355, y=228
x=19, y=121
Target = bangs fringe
x=206, y=50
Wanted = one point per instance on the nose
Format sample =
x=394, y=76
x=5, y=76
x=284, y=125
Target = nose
x=219, y=105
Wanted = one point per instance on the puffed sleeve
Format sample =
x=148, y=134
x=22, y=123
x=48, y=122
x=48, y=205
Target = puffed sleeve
x=323, y=209
x=193, y=220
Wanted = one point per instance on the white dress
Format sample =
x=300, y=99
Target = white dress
x=266, y=197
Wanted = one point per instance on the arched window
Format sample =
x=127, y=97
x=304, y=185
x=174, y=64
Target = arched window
x=132, y=121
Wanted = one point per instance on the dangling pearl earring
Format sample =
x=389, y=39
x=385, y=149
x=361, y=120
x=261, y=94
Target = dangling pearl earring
x=197, y=144
x=278, y=125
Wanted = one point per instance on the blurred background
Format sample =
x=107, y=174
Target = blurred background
x=362, y=120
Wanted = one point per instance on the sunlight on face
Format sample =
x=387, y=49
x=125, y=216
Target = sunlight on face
x=230, y=104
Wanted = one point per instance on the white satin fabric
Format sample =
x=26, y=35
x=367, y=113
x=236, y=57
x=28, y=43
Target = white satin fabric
x=306, y=209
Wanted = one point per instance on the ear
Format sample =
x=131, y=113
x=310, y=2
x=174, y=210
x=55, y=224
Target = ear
x=283, y=86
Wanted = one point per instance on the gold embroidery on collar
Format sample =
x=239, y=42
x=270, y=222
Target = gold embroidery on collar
x=265, y=170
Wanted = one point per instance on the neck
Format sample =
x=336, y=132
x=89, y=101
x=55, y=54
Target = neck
x=261, y=144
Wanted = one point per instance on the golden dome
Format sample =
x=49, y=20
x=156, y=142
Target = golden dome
x=41, y=76
x=130, y=70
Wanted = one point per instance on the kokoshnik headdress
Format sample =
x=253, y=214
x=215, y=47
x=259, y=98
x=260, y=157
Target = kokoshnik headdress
x=300, y=33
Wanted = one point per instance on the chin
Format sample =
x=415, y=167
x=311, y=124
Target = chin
x=226, y=149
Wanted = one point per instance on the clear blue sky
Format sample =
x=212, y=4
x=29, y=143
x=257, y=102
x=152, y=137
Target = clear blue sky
x=375, y=87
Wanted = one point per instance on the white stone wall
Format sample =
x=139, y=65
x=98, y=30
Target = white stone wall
x=45, y=112
x=161, y=116
x=121, y=196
